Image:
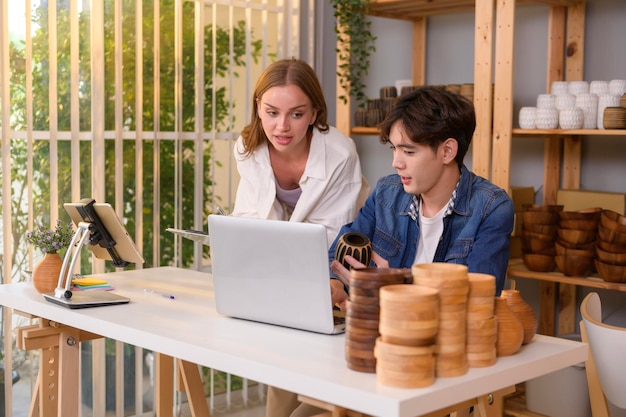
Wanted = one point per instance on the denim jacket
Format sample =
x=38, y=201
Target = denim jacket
x=477, y=232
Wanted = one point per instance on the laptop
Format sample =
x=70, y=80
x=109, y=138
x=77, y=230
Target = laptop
x=273, y=272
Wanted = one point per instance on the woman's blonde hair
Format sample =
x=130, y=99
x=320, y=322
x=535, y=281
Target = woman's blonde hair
x=280, y=73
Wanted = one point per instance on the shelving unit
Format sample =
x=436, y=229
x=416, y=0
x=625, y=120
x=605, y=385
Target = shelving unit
x=562, y=148
x=417, y=11
x=495, y=132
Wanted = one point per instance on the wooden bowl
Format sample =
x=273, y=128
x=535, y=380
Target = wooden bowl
x=611, y=236
x=590, y=225
x=576, y=236
x=610, y=247
x=611, y=273
x=539, y=217
x=554, y=208
x=565, y=250
x=539, y=262
x=612, y=220
x=583, y=246
x=612, y=258
x=536, y=242
x=574, y=265
x=592, y=213
x=545, y=229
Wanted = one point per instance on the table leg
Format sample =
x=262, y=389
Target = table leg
x=69, y=373
x=193, y=387
x=58, y=379
x=164, y=385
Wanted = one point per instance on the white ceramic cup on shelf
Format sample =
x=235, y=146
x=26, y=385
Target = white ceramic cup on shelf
x=599, y=87
x=565, y=101
x=578, y=87
x=604, y=101
x=547, y=118
x=547, y=101
x=589, y=104
x=617, y=87
x=527, y=117
x=559, y=87
x=571, y=118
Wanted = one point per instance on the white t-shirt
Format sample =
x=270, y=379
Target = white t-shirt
x=431, y=229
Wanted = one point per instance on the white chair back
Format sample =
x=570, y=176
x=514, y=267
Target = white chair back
x=608, y=347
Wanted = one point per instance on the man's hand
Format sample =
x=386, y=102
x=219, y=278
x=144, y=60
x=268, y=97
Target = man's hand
x=338, y=294
x=344, y=274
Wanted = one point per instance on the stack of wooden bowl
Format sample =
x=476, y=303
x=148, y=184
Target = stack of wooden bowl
x=363, y=313
x=409, y=321
x=481, y=321
x=453, y=284
x=575, y=246
x=539, y=232
x=610, y=259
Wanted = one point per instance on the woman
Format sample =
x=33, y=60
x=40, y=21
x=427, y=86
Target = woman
x=293, y=165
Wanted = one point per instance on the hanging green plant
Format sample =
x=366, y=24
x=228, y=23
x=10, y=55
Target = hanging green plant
x=355, y=44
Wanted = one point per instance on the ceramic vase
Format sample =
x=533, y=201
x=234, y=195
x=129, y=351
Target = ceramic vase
x=524, y=312
x=527, y=117
x=571, y=118
x=356, y=245
x=510, y=330
x=46, y=273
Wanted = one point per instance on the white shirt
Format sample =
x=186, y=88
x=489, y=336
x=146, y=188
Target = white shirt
x=333, y=187
x=431, y=229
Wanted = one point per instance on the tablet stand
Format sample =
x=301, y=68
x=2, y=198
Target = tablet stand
x=90, y=227
x=82, y=233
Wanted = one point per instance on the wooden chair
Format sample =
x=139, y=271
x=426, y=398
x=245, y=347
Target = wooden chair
x=605, y=366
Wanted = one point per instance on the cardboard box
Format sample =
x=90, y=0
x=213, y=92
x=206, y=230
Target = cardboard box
x=573, y=200
x=521, y=196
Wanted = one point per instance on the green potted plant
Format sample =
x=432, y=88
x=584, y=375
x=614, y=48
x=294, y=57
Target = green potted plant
x=355, y=45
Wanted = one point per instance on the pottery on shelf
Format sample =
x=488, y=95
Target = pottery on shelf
x=524, y=312
x=46, y=273
x=356, y=245
x=510, y=330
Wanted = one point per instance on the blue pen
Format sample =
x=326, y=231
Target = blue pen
x=169, y=296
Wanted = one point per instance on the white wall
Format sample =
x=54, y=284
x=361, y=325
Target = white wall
x=450, y=57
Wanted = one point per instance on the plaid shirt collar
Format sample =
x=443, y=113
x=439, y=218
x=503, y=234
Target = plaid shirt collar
x=414, y=208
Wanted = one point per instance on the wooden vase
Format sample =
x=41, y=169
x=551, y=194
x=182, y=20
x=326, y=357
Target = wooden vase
x=510, y=329
x=356, y=245
x=524, y=312
x=46, y=273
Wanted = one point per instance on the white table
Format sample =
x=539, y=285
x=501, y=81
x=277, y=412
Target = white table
x=189, y=328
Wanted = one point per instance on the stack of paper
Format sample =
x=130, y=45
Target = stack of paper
x=89, y=283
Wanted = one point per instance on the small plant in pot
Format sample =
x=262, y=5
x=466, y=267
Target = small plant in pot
x=355, y=45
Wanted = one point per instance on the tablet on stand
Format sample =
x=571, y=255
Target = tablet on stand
x=98, y=226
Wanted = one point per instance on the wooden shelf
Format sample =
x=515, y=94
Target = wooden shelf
x=519, y=270
x=414, y=9
x=569, y=132
x=361, y=130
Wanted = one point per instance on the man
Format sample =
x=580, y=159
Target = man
x=434, y=209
